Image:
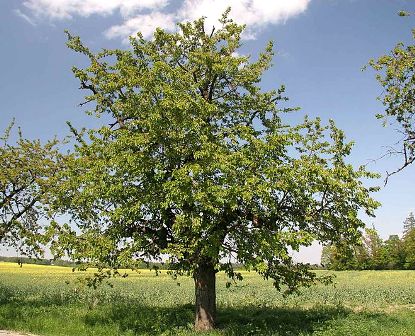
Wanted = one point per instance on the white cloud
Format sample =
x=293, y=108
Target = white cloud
x=254, y=13
x=145, y=23
x=66, y=9
x=146, y=15
x=19, y=13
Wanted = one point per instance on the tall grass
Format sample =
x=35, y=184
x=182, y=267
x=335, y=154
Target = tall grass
x=49, y=300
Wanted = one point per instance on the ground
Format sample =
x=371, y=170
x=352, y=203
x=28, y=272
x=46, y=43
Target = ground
x=49, y=300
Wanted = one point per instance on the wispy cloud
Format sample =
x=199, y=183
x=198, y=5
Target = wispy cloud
x=19, y=13
x=145, y=23
x=146, y=15
x=66, y=9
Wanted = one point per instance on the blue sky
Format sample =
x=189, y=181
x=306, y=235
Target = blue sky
x=321, y=47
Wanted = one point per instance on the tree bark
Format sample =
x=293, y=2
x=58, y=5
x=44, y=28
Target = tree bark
x=205, y=292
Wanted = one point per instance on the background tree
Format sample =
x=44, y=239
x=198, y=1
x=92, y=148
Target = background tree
x=341, y=256
x=393, y=253
x=326, y=256
x=360, y=258
x=409, y=223
x=409, y=246
x=25, y=167
x=198, y=165
x=371, y=253
x=373, y=244
x=396, y=74
x=409, y=241
x=366, y=253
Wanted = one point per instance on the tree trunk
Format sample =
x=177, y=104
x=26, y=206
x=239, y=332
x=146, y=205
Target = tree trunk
x=205, y=292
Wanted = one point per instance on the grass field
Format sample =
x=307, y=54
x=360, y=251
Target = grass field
x=37, y=299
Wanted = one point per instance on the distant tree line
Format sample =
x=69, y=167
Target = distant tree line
x=37, y=261
x=373, y=253
x=67, y=263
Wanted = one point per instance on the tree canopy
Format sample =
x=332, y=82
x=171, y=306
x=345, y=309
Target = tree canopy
x=25, y=169
x=409, y=223
x=397, y=76
x=374, y=253
x=198, y=166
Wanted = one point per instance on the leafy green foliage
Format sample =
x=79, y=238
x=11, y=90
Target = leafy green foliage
x=197, y=164
x=404, y=13
x=394, y=254
x=409, y=223
x=409, y=241
x=374, y=253
x=397, y=77
x=25, y=167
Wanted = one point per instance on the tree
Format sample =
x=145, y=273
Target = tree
x=198, y=165
x=396, y=74
x=25, y=167
x=409, y=247
x=393, y=253
x=340, y=257
x=409, y=224
x=326, y=256
x=409, y=241
x=367, y=253
x=373, y=245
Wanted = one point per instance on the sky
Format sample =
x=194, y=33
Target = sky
x=321, y=47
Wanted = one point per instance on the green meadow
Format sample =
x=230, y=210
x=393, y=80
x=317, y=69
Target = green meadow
x=51, y=300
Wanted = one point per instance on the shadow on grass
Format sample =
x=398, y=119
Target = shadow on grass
x=278, y=321
x=231, y=321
